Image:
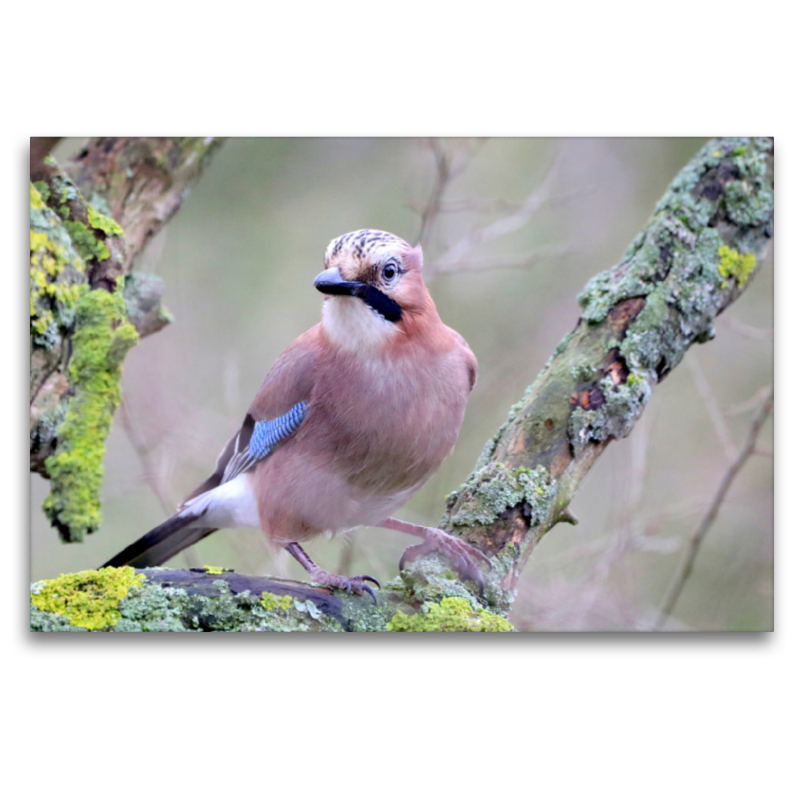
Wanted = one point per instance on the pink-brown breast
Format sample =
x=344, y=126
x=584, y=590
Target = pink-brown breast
x=377, y=428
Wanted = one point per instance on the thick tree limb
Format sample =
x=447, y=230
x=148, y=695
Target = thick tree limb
x=695, y=256
x=140, y=182
x=89, y=222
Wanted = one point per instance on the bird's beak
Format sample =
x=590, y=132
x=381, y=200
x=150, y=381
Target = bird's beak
x=330, y=282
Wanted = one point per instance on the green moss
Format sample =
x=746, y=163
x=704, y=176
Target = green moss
x=102, y=338
x=495, y=487
x=615, y=418
x=150, y=607
x=101, y=222
x=51, y=299
x=40, y=192
x=88, y=600
x=272, y=601
x=452, y=614
x=89, y=246
x=633, y=379
x=733, y=264
x=55, y=274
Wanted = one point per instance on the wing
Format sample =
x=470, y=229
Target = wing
x=469, y=360
x=278, y=410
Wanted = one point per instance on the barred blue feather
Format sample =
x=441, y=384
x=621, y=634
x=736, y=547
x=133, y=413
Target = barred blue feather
x=267, y=433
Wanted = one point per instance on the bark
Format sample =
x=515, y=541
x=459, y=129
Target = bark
x=696, y=255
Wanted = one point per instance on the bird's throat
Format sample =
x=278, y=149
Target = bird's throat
x=351, y=324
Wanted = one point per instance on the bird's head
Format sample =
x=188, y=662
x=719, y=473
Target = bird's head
x=374, y=289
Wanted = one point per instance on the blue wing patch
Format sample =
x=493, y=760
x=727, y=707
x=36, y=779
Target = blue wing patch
x=267, y=433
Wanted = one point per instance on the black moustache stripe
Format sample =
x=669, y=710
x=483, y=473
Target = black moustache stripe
x=384, y=305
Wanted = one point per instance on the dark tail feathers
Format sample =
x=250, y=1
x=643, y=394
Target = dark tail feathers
x=161, y=543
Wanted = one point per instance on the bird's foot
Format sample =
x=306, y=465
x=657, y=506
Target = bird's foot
x=465, y=557
x=354, y=585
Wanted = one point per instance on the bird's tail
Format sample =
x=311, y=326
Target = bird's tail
x=162, y=543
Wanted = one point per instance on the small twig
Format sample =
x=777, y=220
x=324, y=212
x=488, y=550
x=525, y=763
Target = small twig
x=447, y=168
x=743, y=329
x=501, y=227
x=485, y=205
x=190, y=553
x=624, y=537
x=712, y=406
x=748, y=405
x=144, y=457
x=689, y=556
x=500, y=262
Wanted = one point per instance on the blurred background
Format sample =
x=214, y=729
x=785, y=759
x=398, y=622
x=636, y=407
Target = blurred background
x=512, y=229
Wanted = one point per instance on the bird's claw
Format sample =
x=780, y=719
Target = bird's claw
x=356, y=584
x=463, y=555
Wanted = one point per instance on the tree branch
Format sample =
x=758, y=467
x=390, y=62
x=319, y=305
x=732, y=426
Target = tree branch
x=89, y=223
x=696, y=540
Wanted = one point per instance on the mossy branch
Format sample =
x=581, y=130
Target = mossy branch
x=89, y=222
x=696, y=255
x=140, y=182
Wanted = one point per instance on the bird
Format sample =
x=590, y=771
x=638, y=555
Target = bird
x=353, y=418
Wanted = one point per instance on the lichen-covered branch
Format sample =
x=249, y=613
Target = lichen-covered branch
x=212, y=599
x=140, y=182
x=88, y=223
x=695, y=256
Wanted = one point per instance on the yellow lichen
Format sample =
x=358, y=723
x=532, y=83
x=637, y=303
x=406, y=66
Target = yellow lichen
x=88, y=599
x=733, y=264
x=451, y=615
x=55, y=274
x=213, y=570
x=101, y=222
x=272, y=601
x=102, y=338
x=37, y=201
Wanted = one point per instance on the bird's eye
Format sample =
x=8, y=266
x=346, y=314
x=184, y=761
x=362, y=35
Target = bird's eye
x=389, y=271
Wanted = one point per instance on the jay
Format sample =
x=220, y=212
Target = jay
x=352, y=419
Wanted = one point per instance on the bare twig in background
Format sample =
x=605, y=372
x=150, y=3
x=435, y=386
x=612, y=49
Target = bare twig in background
x=502, y=262
x=501, y=227
x=685, y=568
x=486, y=205
x=712, y=406
x=743, y=329
x=748, y=405
x=448, y=166
x=151, y=475
x=148, y=469
x=457, y=257
x=623, y=539
x=481, y=204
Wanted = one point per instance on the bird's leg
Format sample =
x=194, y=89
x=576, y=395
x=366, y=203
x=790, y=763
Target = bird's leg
x=357, y=584
x=464, y=556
